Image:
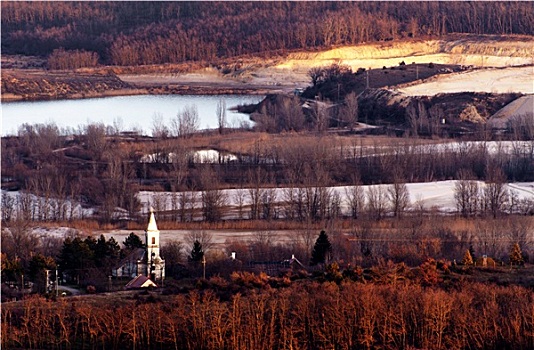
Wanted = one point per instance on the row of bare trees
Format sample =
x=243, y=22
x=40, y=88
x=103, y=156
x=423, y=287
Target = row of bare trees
x=309, y=315
x=58, y=173
x=61, y=59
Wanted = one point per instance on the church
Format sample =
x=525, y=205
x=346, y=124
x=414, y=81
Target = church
x=144, y=261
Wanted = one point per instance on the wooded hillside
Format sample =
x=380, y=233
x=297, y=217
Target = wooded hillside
x=133, y=33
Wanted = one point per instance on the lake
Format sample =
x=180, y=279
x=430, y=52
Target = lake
x=128, y=112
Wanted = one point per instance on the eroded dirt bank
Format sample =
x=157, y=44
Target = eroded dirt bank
x=254, y=75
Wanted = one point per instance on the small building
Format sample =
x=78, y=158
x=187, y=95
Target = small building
x=144, y=261
x=273, y=268
x=140, y=282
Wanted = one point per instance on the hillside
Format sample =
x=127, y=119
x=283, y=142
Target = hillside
x=77, y=34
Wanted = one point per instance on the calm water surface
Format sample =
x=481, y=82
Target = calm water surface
x=128, y=112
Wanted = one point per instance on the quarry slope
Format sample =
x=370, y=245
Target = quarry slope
x=473, y=51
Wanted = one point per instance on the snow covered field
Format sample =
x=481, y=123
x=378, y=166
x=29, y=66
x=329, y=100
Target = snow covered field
x=516, y=79
x=491, y=147
x=436, y=196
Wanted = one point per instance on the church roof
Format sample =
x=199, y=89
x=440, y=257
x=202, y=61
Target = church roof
x=138, y=254
x=140, y=282
x=152, y=227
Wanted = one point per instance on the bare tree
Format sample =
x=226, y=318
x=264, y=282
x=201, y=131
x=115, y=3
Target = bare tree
x=221, y=115
x=256, y=179
x=26, y=206
x=186, y=122
x=268, y=200
x=18, y=240
x=239, y=198
x=495, y=191
x=159, y=129
x=291, y=116
x=95, y=135
x=348, y=113
x=8, y=207
x=316, y=74
x=466, y=193
x=203, y=237
x=377, y=201
x=213, y=198
x=320, y=115
x=355, y=197
x=178, y=172
x=399, y=197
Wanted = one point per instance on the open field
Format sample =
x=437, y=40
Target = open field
x=434, y=197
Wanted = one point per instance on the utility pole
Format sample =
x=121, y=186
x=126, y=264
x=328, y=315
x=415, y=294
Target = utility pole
x=416, y=72
x=47, y=283
x=57, y=285
x=367, y=79
x=204, y=266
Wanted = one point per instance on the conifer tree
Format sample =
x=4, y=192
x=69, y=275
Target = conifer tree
x=472, y=252
x=196, y=253
x=467, y=259
x=516, y=256
x=133, y=241
x=321, y=249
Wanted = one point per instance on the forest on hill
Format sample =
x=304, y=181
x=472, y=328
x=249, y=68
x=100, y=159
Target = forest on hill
x=81, y=34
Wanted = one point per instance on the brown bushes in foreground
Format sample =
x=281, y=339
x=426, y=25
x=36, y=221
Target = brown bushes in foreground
x=305, y=315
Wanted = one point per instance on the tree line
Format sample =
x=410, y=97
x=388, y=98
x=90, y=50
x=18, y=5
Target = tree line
x=170, y=32
x=94, y=168
x=364, y=242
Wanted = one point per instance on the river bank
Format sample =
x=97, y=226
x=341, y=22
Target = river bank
x=41, y=85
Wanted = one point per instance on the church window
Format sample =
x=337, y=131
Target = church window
x=153, y=240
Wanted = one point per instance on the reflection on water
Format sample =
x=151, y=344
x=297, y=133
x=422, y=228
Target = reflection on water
x=129, y=112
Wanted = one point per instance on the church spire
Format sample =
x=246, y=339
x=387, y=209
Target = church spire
x=152, y=227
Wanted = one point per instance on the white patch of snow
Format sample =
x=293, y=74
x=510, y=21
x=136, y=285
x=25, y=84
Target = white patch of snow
x=201, y=156
x=523, y=107
x=516, y=79
x=212, y=156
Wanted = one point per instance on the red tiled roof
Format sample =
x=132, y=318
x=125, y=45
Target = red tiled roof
x=140, y=282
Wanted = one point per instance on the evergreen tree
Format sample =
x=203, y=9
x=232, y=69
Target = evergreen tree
x=37, y=271
x=321, y=249
x=472, y=252
x=107, y=253
x=76, y=257
x=467, y=259
x=133, y=241
x=516, y=256
x=196, y=253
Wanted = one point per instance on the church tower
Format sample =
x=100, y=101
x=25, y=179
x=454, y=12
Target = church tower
x=155, y=264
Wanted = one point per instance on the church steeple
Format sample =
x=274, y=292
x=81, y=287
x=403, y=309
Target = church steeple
x=152, y=222
x=154, y=261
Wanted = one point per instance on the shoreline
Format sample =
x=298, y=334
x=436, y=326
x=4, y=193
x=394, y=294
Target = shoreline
x=156, y=90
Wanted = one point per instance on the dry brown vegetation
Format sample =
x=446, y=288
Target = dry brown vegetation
x=254, y=312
